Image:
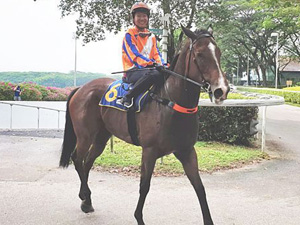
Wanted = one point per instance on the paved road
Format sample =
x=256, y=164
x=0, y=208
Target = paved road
x=33, y=190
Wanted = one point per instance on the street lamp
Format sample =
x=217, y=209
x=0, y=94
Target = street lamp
x=276, y=72
x=75, y=69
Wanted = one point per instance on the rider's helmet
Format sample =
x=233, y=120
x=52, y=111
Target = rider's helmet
x=140, y=7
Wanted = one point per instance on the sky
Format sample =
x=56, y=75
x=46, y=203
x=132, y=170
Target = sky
x=34, y=37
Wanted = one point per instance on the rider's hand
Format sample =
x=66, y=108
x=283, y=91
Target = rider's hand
x=160, y=68
x=166, y=65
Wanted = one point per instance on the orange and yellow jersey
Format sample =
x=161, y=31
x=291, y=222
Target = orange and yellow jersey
x=140, y=50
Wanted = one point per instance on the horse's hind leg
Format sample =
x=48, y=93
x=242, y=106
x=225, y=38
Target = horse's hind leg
x=84, y=158
x=148, y=162
x=96, y=150
x=190, y=165
x=82, y=147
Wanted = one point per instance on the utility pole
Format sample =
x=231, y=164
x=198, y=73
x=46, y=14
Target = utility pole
x=237, y=72
x=75, y=69
x=276, y=69
x=165, y=20
x=248, y=72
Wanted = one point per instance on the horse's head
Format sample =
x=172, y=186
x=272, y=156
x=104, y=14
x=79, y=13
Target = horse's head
x=203, y=63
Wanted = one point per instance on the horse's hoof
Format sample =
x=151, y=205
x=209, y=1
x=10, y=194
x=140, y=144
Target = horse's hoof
x=86, y=208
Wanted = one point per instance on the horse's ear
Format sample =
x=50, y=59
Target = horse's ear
x=210, y=29
x=188, y=33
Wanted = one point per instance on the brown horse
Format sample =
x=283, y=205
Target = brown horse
x=161, y=129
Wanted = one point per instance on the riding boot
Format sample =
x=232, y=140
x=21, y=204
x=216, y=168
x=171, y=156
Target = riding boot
x=141, y=85
x=144, y=83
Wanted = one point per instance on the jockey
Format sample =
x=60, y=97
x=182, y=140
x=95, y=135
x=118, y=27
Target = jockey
x=139, y=50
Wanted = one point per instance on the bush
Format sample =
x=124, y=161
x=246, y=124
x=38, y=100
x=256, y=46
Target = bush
x=223, y=124
x=34, y=92
x=30, y=92
x=6, y=91
x=226, y=124
x=57, y=94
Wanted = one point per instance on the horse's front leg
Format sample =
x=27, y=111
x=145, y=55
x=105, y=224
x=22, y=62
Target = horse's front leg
x=148, y=163
x=190, y=165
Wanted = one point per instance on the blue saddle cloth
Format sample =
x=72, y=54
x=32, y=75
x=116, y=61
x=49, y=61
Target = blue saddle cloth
x=119, y=89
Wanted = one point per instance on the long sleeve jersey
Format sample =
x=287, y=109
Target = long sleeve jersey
x=140, y=50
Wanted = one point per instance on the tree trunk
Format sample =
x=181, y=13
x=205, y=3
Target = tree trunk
x=264, y=76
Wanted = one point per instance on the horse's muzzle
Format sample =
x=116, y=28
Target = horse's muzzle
x=218, y=95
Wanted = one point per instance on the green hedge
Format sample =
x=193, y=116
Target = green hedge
x=289, y=96
x=223, y=124
x=226, y=124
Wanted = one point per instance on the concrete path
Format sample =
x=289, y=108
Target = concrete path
x=33, y=190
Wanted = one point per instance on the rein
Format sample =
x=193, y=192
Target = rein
x=204, y=85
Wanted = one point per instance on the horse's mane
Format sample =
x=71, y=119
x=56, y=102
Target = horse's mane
x=182, y=47
x=201, y=31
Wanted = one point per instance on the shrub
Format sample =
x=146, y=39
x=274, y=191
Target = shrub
x=34, y=92
x=223, y=124
x=30, y=92
x=6, y=91
x=57, y=94
x=226, y=124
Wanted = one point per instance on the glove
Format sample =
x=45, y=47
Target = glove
x=166, y=65
x=160, y=68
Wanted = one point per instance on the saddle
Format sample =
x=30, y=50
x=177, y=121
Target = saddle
x=117, y=90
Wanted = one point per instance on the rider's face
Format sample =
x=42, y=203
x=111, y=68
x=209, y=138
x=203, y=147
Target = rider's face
x=141, y=20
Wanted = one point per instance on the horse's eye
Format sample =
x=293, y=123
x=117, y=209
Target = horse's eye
x=199, y=54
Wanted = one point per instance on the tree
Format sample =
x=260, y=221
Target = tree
x=242, y=27
x=284, y=16
x=97, y=17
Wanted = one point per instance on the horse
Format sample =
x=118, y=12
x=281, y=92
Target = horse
x=161, y=129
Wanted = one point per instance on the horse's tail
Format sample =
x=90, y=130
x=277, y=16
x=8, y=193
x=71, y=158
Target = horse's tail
x=69, y=142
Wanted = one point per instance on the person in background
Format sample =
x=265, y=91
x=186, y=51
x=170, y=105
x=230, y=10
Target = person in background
x=18, y=91
x=140, y=51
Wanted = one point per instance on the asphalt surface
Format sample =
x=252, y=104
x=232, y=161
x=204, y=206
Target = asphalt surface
x=33, y=190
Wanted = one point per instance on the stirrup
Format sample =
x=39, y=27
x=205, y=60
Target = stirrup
x=128, y=104
x=120, y=101
x=124, y=103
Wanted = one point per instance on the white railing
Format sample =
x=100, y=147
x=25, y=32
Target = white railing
x=262, y=101
x=15, y=104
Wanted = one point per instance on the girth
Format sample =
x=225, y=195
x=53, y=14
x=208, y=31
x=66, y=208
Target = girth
x=132, y=129
x=173, y=105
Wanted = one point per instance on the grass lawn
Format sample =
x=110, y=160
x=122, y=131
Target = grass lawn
x=293, y=104
x=212, y=156
x=297, y=88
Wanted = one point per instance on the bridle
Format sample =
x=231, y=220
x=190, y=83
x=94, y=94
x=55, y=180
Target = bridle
x=204, y=84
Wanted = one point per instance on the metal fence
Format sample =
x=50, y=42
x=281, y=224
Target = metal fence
x=263, y=102
x=38, y=108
